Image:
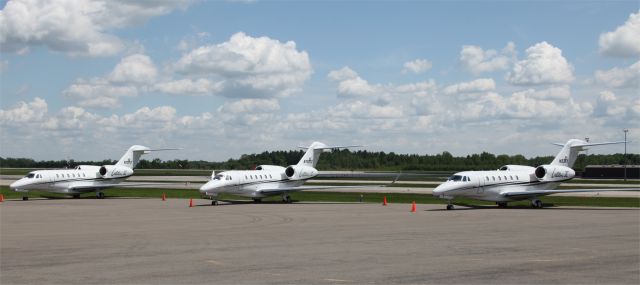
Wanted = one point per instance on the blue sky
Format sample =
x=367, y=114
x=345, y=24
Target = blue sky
x=223, y=78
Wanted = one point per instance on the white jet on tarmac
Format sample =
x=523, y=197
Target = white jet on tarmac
x=269, y=180
x=84, y=178
x=519, y=182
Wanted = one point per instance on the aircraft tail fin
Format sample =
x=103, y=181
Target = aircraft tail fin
x=132, y=156
x=570, y=150
x=311, y=156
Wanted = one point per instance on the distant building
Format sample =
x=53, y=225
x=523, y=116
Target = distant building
x=611, y=171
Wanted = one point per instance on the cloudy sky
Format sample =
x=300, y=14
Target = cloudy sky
x=86, y=79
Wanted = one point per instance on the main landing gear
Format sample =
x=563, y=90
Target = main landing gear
x=25, y=197
x=502, y=204
x=214, y=202
x=99, y=195
x=535, y=203
x=286, y=198
x=257, y=200
x=75, y=196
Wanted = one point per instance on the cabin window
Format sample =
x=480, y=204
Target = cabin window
x=510, y=177
x=517, y=177
x=505, y=178
x=245, y=177
x=487, y=178
x=57, y=176
x=270, y=176
x=68, y=175
x=494, y=178
x=84, y=175
x=469, y=179
x=499, y=179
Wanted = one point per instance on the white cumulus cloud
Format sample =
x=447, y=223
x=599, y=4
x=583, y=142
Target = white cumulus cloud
x=250, y=67
x=544, y=64
x=478, y=85
x=624, y=41
x=620, y=77
x=200, y=86
x=136, y=68
x=477, y=60
x=74, y=27
x=417, y=66
x=25, y=112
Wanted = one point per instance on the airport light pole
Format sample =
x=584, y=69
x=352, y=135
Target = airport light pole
x=625, y=153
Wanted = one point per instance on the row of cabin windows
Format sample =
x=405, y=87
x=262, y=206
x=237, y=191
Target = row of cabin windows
x=500, y=178
x=70, y=175
x=247, y=177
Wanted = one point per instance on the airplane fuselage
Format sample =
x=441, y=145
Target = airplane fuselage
x=491, y=185
x=248, y=183
x=67, y=181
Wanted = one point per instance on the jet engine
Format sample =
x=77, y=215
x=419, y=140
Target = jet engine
x=300, y=172
x=550, y=173
x=112, y=171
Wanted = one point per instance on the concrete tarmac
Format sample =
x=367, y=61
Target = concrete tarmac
x=148, y=241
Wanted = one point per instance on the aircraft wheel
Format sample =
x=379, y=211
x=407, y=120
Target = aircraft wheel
x=286, y=199
x=257, y=200
x=214, y=203
x=536, y=203
x=25, y=198
x=449, y=207
x=502, y=204
x=100, y=195
x=76, y=196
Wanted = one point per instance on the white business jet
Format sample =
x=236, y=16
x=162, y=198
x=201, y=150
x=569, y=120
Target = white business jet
x=84, y=178
x=269, y=180
x=519, y=182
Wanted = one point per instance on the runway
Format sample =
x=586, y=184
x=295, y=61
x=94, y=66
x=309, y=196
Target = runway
x=148, y=241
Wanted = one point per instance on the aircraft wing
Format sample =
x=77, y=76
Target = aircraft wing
x=298, y=188
x=102, y=186
x=548, y=192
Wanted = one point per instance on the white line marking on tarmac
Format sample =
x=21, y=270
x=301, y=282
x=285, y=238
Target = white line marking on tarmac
x=336, y=280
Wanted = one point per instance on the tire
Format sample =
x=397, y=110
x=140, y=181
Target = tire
x=449, y=207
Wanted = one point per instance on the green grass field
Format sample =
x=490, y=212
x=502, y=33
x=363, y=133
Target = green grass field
x=549, y=201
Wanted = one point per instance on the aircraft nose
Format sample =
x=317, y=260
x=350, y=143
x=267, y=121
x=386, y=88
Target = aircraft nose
x=438, y=190
x=14, y=185
x=206, y=187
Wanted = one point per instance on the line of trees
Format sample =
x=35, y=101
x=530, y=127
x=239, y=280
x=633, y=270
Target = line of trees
x=346, y=160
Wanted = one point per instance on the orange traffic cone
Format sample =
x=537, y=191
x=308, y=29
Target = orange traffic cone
x=164, y=197
x=190, y=202
x=384, y=201
x=413, y=207
x=1, y=198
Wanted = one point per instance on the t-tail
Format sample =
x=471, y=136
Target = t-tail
x=311, y=156
x=570, y=150
x=131, y=158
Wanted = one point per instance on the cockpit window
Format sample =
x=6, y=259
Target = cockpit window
x=30, y=175
x=455, y=178
x=218, y=177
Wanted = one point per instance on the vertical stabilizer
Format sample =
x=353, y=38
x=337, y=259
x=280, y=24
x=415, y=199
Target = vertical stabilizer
x=132, y=156
x=570, y=150
x=311, y=156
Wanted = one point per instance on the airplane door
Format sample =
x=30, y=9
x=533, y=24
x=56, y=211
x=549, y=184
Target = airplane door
x=479, y=184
